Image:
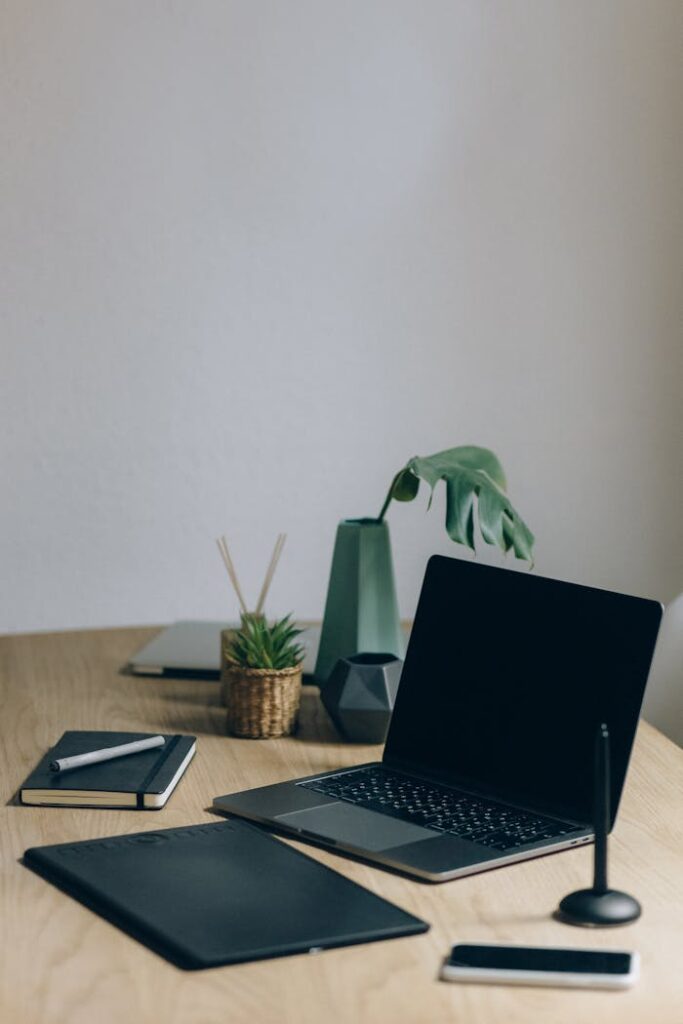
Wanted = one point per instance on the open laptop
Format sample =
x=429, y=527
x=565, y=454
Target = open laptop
x=489, y=757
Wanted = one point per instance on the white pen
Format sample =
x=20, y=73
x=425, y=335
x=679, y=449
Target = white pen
x=106, y=754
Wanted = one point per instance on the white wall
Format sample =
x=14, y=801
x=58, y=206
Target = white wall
x=256, y=255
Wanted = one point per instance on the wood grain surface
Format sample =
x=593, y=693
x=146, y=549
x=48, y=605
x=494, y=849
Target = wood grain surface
x=62, y=963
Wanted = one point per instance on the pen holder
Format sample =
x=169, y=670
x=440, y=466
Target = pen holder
x=261, y=702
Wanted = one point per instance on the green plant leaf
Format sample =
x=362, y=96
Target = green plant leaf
x=443, y=464
x=405, y=486
x=460, y=509
x=258, y=645
x=475, y=491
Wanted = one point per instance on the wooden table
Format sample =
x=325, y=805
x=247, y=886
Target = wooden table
x=62, y=963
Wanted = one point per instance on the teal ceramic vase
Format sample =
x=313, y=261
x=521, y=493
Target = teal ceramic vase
x=361, y=610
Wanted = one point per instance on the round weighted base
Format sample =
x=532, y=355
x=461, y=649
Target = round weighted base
x=593, y=909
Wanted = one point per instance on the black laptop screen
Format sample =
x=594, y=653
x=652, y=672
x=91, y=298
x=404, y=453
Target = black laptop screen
x=508, y=676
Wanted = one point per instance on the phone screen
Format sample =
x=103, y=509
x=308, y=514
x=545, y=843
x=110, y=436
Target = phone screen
x=529, y=958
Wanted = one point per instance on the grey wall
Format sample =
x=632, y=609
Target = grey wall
x=256, y=255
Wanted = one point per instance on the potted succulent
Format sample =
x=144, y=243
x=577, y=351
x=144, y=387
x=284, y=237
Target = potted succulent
x=258, y=615
x=361, y=611
x=261, y=671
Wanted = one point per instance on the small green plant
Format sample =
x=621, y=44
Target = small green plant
x=258, y=645
x=469, y=473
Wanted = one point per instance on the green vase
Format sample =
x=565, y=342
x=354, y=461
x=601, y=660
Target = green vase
x=361, y=610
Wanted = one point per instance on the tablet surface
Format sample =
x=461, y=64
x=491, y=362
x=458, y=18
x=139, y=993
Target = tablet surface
x=218, y=894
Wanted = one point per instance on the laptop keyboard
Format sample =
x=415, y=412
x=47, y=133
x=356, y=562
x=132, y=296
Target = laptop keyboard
x=445, y=810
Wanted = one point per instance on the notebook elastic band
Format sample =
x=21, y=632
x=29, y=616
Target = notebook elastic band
x=163, y=757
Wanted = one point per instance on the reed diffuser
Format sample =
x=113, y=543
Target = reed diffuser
x=260, y=663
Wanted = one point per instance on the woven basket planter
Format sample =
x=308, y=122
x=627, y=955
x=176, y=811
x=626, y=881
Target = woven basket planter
x=261, y=702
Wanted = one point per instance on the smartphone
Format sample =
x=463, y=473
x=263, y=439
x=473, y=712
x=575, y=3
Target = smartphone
x=542, y=965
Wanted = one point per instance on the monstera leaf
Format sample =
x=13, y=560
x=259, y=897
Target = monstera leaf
x=469, y=473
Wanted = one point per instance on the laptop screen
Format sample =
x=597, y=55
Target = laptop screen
x=508, y=676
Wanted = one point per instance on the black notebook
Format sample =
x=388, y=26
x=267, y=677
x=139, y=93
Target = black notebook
x=144, y=780
x=219, y=894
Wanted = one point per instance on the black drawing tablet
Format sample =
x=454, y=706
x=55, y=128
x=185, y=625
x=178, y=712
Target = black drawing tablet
x=218, y=894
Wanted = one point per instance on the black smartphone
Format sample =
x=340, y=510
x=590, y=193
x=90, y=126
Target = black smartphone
x=542, y=965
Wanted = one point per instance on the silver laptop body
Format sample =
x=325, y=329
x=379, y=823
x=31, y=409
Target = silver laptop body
x=192, y=647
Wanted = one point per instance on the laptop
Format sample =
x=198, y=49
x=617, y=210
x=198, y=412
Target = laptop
x=192, y=648
x=490, y=752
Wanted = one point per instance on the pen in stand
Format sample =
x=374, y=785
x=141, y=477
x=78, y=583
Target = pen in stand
x=64, y=764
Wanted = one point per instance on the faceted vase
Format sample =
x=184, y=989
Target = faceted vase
x=361, y=610
x=360, y=693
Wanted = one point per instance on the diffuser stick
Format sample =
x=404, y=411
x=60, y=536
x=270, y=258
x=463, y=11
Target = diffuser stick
x=230, y=568
x=275, y=558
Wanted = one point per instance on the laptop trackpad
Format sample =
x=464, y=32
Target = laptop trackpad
x=354, y=825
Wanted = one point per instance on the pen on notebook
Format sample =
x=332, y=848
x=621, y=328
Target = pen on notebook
x=106, y=754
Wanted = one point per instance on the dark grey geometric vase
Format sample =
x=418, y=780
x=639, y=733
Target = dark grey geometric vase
x=360, y=693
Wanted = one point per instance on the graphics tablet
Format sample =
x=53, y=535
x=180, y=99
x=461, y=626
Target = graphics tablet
x=219, y=894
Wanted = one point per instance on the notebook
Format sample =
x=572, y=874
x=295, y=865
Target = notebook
x=219, y=894
x=144, y=780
